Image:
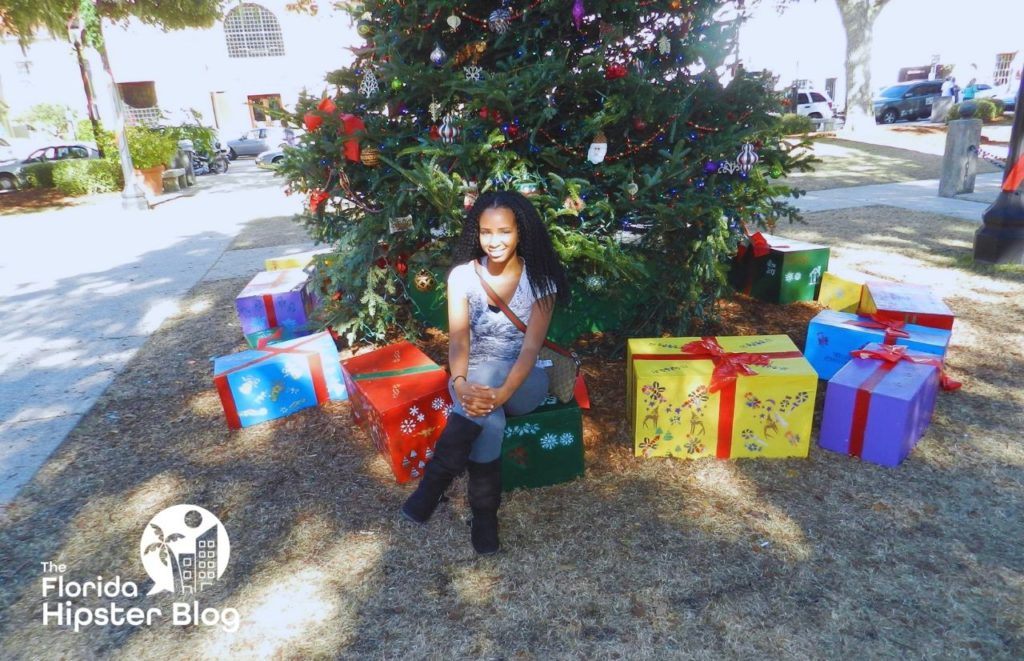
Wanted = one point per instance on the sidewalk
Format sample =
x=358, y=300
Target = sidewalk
x=82, y=289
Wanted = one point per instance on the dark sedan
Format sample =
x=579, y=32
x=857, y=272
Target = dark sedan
x=910, y=101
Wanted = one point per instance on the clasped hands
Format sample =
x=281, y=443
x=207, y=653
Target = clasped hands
x=478, y=399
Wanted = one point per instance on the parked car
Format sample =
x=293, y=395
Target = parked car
x=270, y=160
x=984, y=91
x=12, y=173
x=816, y=105
x=911, y=100
x=257, y=141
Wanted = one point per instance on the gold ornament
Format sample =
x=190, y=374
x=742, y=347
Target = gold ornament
x=424, y=280
x=370, y=157
x=471, y=52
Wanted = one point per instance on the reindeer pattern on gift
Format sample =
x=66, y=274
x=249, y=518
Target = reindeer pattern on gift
x=772, y=419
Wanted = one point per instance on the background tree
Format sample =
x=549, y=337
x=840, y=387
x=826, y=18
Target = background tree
x=56, y=119
x=611, y=115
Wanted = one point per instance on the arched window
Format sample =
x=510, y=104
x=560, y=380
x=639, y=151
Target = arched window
x=253, y=31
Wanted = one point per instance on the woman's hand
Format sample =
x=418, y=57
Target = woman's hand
x=478, y=399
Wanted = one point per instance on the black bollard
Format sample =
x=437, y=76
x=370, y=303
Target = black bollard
x=1000, y=240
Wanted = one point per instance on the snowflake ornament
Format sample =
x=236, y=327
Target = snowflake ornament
x=434, y=109
x=474, y=73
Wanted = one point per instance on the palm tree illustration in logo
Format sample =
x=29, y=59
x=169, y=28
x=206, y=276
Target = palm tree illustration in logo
x=164, y=546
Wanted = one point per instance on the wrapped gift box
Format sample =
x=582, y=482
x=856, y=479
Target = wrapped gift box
x=272, y=382
x=262, y=338
x=877, y=409
x=725, y=397
x=831, y=336
x=300, y=260
x=913, y=304
x=841, y=292
x=274, y=298
x=543, y=447
x=791, y=271
x=401, y=398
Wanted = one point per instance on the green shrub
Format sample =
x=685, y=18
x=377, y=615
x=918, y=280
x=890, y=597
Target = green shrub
x=149, y=148
x=1000, y=106
x=40, y=175
x=986, y=110
x=793, y=124
x=201, y=137
x=83, y=176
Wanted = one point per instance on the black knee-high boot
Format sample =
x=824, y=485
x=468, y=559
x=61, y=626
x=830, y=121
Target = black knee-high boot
x=484, y=500
x=450, y=455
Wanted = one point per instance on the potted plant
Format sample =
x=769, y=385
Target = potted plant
x=151, y=151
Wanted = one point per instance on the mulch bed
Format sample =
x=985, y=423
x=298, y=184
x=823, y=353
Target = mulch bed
x=34, y=200
x=642, y=558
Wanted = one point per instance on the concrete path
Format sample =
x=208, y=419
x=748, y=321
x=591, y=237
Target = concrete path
x=82, y=289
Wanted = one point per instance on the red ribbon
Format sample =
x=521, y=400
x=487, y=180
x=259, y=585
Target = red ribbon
x=351, y=124
x=316, y=370
x=728, y=367
x=893, y=328
x=890, y=356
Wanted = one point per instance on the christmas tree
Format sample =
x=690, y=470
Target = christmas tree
x=612, y=116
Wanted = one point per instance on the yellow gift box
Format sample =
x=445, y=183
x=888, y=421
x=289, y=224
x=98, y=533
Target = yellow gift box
x=725, y=397
x=841, y=293
x=299, y=260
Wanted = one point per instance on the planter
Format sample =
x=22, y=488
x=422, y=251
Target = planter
x=152, y=179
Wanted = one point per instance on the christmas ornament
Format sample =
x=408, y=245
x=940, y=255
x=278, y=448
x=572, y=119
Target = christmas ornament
x=327, y=105
x=424, y=280
x=473, y=73
x=500, y=19
x=370, y=157
x=632, y=189
x=396, y=84
x=598, y=148
x=675, y=4
x=471, y=193
x=454, y=22
x=448, y=130
x=434, y=133
x=312, y=121
x=364, y=28
x=711, y=167
x=396, y=225
x=747, y=158
x=434, y=109
x=664, y=45
x=438, y=56
x=594, y=283
x=316, y=198
x=528, y=187
x=368, y=86
x=350, y=125
x=470, y=52
x=578, y=12
x=574, y=203
x=639, y=124
x=613, y=71
x=776, y=171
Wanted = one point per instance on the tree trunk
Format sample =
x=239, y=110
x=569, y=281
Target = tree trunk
x=859, y=21
x=83, y=68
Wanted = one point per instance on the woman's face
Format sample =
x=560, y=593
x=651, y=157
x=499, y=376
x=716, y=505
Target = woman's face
x=499, y=235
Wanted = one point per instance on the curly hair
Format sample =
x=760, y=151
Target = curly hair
x=544, y=270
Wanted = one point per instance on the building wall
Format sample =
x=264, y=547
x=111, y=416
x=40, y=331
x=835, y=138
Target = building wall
x=186, y=67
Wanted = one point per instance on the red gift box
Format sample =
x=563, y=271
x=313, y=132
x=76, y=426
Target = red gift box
x=912, y=304
x=401, y=397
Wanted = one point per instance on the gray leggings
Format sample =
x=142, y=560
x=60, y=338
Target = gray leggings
x=529, y=395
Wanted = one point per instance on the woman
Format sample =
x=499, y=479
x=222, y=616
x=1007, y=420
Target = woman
x=493, y=364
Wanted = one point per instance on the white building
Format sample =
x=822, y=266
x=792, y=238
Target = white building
x=260, y=55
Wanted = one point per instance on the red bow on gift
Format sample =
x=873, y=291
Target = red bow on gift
x=728, y=366
x=894, y=354
x=892, y=328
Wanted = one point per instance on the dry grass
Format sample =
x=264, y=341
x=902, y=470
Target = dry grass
x=820, y=558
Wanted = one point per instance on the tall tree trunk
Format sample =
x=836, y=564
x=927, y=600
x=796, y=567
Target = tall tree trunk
x=83, y=68
x=859, y=21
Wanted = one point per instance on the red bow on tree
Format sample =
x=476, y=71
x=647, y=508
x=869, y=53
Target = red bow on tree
x=893, y=354
x=351, y=126
x=728, y=366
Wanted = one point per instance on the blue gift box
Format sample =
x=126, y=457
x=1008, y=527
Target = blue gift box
x=832, y=335
x=279, y=379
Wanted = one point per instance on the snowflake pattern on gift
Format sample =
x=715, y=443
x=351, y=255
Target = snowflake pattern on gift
x=408, y=426
x=694, y=445
x=447, y=410
x=566, y=439
x=793, y=276
x=549, y=441
x=525, y=429
x=437, y=404
x=414, y=411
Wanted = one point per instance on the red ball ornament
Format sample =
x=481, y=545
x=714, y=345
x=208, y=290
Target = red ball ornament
x=435, y=133
x=614, y=71
x=639, y=124
x=484, y=113
x=382, y=263
x=312, y=121
x=513, y=131
x=402, y=268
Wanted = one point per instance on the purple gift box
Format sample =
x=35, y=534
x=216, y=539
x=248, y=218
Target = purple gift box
x=274, y=298
x=878, y=409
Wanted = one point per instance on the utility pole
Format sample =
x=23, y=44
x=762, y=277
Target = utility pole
x=1000, y=240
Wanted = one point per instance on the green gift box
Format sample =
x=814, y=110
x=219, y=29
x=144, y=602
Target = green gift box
x=791, y=271
x=543, y=447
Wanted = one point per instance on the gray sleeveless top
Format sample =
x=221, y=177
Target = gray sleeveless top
x=491, y=335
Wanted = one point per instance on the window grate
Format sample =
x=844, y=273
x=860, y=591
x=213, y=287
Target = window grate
x=1001, y=76
x=253, y=31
